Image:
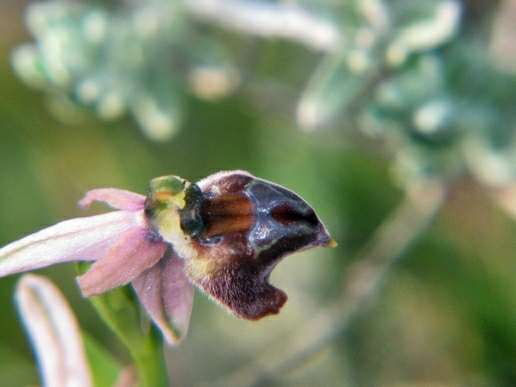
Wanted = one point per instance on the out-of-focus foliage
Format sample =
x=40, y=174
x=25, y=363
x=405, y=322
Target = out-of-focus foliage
x=412, y=73
x=116, y=58
x=429, y=85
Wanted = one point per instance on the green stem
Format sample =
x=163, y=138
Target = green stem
x=122, y=314
x=150, y=363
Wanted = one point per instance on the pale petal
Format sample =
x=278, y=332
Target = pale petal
x=117, y=198
x=135, y=251
x=54, y=333
x=86, y=239
x=167, y=296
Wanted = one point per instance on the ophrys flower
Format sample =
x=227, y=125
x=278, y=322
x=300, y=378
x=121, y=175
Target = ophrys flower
x=223, y=234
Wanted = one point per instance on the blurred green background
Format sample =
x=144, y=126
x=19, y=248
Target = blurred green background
x=445, y=317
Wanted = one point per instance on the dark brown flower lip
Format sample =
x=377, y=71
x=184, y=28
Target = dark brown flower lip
x=238, y=202
x=249, y=225
x=285, y=214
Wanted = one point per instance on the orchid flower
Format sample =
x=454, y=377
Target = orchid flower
x=223, y=235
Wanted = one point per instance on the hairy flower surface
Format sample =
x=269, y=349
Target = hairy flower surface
x=223, y=234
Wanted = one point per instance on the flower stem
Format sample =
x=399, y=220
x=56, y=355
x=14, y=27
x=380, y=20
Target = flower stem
x=122, y=315
x=120, y=311
x=150, y=363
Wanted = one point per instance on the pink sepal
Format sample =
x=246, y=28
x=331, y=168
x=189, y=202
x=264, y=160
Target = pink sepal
x=134, y=252
x=116, y=198
x=167, y=296
x=79, y=239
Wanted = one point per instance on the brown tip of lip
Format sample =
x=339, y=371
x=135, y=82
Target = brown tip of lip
x=332, y=243
x=324, y=239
